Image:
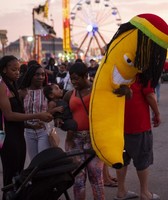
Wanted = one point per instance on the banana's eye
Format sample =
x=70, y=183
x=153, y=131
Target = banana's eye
x=128, y=60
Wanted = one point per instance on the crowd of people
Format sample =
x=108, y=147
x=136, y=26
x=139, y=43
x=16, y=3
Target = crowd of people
x=32, y=96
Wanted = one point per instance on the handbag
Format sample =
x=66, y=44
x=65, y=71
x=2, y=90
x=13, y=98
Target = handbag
x=2, y=138
x=2, y=134
x=53, y=138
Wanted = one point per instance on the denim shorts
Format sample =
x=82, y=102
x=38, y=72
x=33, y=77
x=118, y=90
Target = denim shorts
x=139, y=148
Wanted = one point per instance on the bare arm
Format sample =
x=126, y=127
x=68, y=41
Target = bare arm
x=151, y=99
x=15, y=116
x=52, y=107
x=67, y=96
x=49, y=71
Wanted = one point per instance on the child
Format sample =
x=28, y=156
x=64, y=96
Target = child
x=62, y=116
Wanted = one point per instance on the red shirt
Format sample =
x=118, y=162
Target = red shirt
x=137, y=113
x=79, y=112
x=166, y=66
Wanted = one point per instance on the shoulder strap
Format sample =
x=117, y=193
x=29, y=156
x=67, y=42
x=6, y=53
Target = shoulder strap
x=83, y=103
x=68, y=95
x=7, y=89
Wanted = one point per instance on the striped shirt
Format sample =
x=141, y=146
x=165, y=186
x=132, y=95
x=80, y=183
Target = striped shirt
x=35, y=102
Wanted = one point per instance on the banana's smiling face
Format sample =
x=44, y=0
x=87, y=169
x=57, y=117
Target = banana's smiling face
x=121, y=56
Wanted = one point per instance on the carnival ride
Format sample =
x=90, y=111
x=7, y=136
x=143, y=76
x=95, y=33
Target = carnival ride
x=92, y=25
x=66, y=26
x=87, y=27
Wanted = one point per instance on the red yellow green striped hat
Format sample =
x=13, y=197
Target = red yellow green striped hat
x=153, y=26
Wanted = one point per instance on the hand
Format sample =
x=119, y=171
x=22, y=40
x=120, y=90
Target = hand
x=156, y=120
x=58, y=122
x=45, y=116
x=69, y=145
x=22, y=93
x=59, y=109
x=123, y=90
x=69, y=141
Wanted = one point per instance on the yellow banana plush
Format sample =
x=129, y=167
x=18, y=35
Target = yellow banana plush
x=130, y=52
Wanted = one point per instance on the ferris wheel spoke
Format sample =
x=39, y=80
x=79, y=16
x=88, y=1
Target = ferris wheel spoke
x=99, y=44
x=107, y=32
x=80, y=20
x=101, y=37
x=89, y=45
x=78, y=36
x=79, y=27
x=82, y=42
x=107, y=17
x=84, y=16
x=102, y=12
x=103, y=16
x=108, y=24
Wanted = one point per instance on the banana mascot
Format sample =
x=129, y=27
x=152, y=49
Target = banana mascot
x=139, y=46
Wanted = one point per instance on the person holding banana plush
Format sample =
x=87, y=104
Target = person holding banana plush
x=139, y=47
x=138, y=138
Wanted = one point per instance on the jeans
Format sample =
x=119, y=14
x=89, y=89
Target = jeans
x=157, y=91
x=36, y=141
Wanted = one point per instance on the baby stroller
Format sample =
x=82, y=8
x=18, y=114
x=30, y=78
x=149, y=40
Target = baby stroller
x=48, y=176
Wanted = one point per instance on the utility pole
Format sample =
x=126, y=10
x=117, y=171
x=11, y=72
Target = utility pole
x=4, y=39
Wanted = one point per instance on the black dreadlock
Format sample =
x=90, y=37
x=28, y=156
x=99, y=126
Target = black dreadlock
x=150, y=57
x=4, y=61
x=26, y=82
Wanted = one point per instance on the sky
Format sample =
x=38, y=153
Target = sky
x=16, y=15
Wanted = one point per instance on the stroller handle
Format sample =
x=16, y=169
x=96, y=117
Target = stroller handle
x=56, y=164
x=76, y=152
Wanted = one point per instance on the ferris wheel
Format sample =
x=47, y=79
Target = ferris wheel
x=92, y=25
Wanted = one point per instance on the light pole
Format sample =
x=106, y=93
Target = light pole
x=53, y=39
x=30, y=41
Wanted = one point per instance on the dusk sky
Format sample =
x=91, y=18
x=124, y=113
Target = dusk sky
x=16, y=15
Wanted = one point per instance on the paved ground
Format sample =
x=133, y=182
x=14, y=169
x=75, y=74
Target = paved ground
x=159, y=171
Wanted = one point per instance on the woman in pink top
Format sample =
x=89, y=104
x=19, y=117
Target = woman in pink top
x=12, y=119
x=81, y=138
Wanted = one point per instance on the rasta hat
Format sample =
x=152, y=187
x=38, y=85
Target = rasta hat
x=152, y=26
